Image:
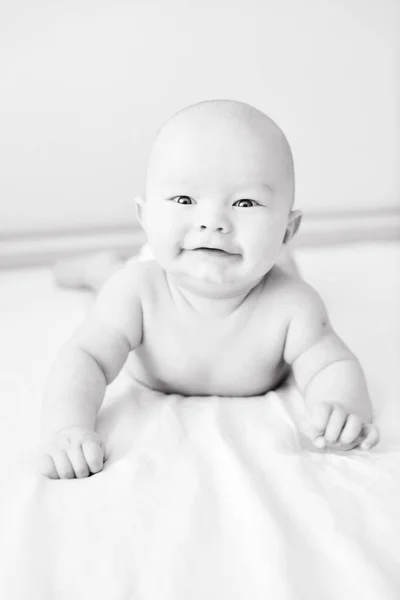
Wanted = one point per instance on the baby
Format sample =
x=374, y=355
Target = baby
x=213, y=313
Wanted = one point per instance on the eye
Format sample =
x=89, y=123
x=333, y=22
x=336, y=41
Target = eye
x=246, y=200
x=182, y=200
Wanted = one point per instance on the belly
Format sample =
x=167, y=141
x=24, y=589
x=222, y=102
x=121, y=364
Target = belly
x=228, y=372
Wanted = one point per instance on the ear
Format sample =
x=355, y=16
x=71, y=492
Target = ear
x=140, y=209
x=295, y=218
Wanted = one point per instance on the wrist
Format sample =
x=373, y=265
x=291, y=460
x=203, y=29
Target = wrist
x=343, y=383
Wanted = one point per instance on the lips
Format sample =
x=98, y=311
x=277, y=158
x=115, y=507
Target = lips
x=214, y=254
x=212, y=249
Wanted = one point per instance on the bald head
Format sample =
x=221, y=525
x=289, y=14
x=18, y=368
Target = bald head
x=222, y=140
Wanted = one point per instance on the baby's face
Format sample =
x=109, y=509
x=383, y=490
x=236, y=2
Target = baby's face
x=217, y=205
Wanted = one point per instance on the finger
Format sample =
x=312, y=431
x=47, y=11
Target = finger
x=371, y=436
x=78, y=462
x=63, y=465
x=335, y=424
x=351, y=430
x=317, y=420
x=320, y=442
x=47, y=467
x=94, y=454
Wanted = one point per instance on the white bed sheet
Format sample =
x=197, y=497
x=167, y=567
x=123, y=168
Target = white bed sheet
x=204, y=498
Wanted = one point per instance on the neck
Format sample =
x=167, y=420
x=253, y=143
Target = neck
x=207, y=304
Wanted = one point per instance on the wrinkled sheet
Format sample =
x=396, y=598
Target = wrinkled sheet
x=200, y=498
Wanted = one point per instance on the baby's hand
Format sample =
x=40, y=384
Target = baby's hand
x=73, y=452
x=331, y=426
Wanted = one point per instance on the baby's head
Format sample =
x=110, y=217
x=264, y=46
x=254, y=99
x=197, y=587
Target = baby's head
x=220, y=175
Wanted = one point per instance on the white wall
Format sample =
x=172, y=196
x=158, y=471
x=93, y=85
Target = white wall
x=84, y=86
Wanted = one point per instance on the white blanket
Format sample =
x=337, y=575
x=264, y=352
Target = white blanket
x=200, y=498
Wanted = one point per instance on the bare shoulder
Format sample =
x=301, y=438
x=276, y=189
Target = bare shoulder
x=292, y=293
x=131, y=280
x=138, y=283
x=306, y=316
x=151, y=280
x=114, y=325
x=298, y=308
x=118, y=306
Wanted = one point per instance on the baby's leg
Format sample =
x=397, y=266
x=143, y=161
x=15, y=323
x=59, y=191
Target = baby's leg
x=88, y=272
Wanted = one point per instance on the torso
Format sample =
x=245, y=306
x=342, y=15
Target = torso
x=186, y=353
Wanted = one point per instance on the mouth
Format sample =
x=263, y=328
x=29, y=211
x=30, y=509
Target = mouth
x=213, y=250
x=214, y=253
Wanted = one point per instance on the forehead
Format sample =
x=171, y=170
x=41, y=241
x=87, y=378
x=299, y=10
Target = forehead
x=217, y=150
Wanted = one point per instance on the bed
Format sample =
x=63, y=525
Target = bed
x=204, y=498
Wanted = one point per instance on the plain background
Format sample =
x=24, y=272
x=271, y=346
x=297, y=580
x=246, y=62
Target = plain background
x=85, y=85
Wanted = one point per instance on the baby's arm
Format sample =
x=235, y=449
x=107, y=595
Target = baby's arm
x=338, y=405
x=77, y=382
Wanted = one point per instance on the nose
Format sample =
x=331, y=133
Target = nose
x=214, y=220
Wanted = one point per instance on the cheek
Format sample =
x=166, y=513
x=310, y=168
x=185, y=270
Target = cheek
x=265, y=239
x=159, y=223
x=164, y=233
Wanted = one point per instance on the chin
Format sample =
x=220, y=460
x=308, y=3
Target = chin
x=219, y=285
x=210, y=289
x=207, y=274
